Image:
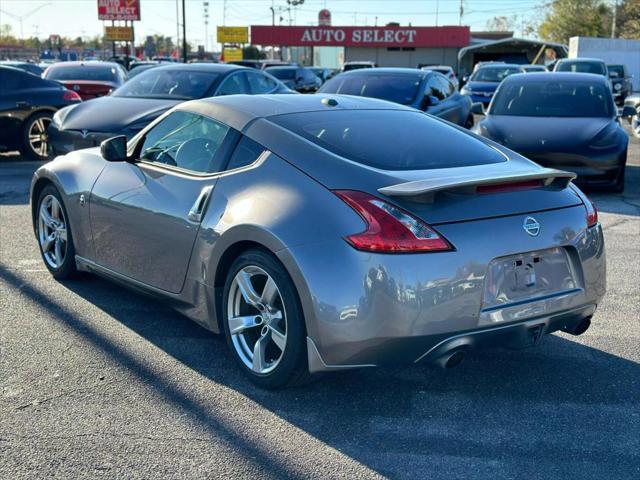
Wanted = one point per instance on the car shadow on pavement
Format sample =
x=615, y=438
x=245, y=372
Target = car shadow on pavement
x=547, y=407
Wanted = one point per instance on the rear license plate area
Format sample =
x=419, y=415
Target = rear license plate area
x=527, y=280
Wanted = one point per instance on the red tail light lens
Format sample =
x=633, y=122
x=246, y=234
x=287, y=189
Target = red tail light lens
x=592, y=212
x=389, y=228
x=508, y=187
x=71, y=96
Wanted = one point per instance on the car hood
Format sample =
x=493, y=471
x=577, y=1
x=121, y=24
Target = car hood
x=482, y=86
x=112, y=114
x=536, y=134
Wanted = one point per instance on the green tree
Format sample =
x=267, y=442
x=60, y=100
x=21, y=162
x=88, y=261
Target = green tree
x=501, y=23
x=628, y=23
x=570, y=18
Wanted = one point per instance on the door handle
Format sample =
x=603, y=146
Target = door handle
x=197, y=211
x=22, y=104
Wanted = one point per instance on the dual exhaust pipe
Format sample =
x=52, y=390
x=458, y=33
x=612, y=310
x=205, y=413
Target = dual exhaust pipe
x=456, y=356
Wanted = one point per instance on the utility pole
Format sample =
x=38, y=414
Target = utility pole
x=437, y=11
x=615, y=19
x=461, y=12
x=177, y=25
x=184, y=32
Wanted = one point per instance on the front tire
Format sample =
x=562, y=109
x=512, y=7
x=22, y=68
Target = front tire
x=53, y=233
x=35, y=140
x=618, y=187
x=263, y=321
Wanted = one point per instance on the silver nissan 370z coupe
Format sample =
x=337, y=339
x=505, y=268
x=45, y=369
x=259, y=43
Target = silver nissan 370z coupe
x=328, y=232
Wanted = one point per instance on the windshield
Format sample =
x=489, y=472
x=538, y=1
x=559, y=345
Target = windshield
x=553, y=99
x=283, y=73
x=394, y=88
x=534, y=68
x=582, y=67
x=493, y=74
x=355, y=66
x=169, y=83
x=98, y=74
x=617, y=70
x=390, y=139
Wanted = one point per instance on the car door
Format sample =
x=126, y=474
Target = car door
x=14, y=105
x=145, y=215
x=452, y=103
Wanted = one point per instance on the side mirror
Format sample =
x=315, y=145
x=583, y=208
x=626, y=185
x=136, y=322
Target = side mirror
x=114, y=149
x=477, y=108
x=628, y=111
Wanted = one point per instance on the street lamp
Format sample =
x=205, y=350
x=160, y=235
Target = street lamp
x=20, y=18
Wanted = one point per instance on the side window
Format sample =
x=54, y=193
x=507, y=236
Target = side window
x=234, y=84
x=260, y=83
x=434, y=88
x=308, y=75
x=245, y=153
x=446, y=85
x=187, y=141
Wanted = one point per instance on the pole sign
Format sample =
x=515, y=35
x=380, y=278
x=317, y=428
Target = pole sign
x=324, y=18
x=392, y=36
x=118, y=34
x=233, y=35
x=232, y=54
x=118, y=9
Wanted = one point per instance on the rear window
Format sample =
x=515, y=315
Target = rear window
x=616, y=70
x=394, y=88
x=283, y=73
x=582, y=67
x=390, y=139
x=98, y=74
x=553, y=99
x=493, y=74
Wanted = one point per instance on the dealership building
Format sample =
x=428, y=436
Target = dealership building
x=401, y=46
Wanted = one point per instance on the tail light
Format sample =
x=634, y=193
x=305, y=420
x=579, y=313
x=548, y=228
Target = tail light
x=592, y=212
x=389, y=228
x=590, y=207
x=71, y=96
x=508, y=187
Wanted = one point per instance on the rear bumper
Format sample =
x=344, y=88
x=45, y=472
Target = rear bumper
x=364, y=309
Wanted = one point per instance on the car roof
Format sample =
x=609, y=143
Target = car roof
x=283, y=67
x=499, y=65
x=550, y=76
x=581, y=59
x=203, y=67
x=238, y=111
x=388, y=70
x=89, y=63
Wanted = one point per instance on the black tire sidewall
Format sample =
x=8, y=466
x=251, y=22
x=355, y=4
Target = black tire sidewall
x=293, y=364
x=68, y=267
x=26, y=149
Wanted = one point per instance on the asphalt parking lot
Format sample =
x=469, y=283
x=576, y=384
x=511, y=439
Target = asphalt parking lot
x=99, y=382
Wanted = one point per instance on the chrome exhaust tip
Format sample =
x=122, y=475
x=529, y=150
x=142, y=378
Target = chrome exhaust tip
x=451, y=359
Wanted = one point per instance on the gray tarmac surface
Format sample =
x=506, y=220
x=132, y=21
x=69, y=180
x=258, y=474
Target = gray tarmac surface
x=99, y=382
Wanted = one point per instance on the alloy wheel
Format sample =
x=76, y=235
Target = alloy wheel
x=52, y=231
x=38, y=137
x=257, y=321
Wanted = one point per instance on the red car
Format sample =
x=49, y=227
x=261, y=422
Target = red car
x=87, y=79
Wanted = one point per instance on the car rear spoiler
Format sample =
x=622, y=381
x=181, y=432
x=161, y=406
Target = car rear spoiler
x=469, y=182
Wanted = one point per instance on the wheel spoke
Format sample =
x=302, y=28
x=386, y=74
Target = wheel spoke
x=240, y=324
x=40, y=124
x=269, y=292
x=58, y=250
x=42, y=151
x=259, y=362
x=62, y=234
x=46, y=218
x=48, y=241
x=55, y=210
x=34, y=138
x=279, y=338
x=246, y=288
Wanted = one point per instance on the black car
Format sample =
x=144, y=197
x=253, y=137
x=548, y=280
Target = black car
x=620, y=82
x=142, y=99
x=27, y=103
x=300, y=79
x=26, y=66
x=425, y=90
x=566, y=121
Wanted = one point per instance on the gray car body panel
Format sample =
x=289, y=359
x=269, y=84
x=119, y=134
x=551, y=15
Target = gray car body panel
x=361, y=308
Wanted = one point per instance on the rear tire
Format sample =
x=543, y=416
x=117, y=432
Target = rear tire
x=35, y=140
x=263, y=321
x=53, y=232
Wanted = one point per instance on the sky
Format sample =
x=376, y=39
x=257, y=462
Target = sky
x=80, y=18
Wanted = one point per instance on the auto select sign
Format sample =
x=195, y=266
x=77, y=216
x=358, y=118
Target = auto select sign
x=361, y=36
x=118, y=9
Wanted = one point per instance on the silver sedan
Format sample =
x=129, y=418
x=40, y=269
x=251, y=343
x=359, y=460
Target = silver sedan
x=320, y=233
